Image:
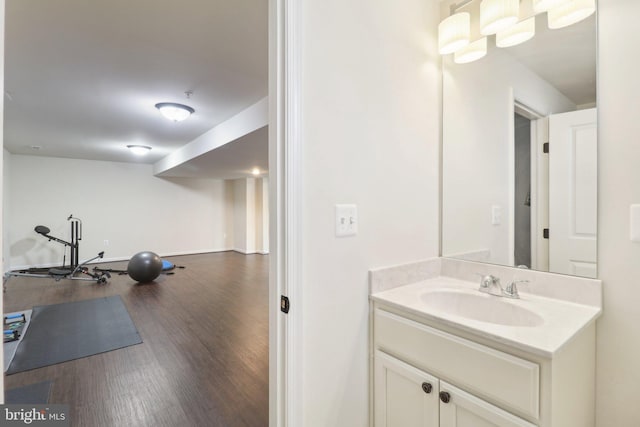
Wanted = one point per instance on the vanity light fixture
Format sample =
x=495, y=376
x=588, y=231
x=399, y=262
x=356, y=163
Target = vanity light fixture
x=139, y=150
x=175, y=112
x=519, y=33
x=454, y=33
x=570, y=12
x=498, y=15
x=540, y=6
x=471, y=52
x=501, y=17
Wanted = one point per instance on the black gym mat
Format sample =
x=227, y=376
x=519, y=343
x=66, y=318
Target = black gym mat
x=37, y=393
x=62, y=332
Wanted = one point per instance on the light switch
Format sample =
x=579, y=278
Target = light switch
x=634, y=223
x=346, y=220
x=496, y=215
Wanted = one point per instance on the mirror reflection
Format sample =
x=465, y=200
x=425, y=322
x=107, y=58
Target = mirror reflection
x=520, y=152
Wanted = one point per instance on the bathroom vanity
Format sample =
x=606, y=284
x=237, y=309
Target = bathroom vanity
x=445, y=354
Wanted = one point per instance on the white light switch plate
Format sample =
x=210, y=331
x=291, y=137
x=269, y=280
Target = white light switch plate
x=634, y=223
x=346, y=220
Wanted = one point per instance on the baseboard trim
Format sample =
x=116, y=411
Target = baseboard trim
x=240, y=251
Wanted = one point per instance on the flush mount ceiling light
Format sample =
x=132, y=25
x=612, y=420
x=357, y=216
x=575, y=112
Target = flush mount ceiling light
x=139, y=150
x=471, y=52
x=519, y=33
x=498, y=15
x=570, y=12
x=454, y=32
x=175, y=112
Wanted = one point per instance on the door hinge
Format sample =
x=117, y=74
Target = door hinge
x=545, y=233
x=545, y=148
x=284, y=304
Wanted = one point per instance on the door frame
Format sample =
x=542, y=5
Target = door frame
x=285, y=213
x=520, y=107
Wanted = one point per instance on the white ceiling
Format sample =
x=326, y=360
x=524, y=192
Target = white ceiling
x=565, y=57
x=230, y=161
x=82, y=77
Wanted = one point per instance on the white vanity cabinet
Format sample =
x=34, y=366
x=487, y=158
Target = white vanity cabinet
x=408, y=397
x=428, y=374
x=404, y=396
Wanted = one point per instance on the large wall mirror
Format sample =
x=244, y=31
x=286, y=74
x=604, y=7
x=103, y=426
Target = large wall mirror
x=519, y=171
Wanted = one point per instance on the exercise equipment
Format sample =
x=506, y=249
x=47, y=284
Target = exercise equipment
x=167, y=267
x=144, y=267
x=74, y=244
x=64, y=273
x=75, y=267
x=13, y=325
x=62, y=332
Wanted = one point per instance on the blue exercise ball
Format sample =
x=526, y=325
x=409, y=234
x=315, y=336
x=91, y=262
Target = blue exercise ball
x=144, y=267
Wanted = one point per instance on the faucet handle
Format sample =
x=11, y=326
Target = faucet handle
x=511, y=291
x=487, y=281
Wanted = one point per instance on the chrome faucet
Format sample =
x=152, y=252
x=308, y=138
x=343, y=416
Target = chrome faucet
x=512, y=290
x=491, y=285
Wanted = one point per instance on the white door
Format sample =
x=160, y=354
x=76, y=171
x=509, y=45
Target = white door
x=573, y=193
x=404, y=396
x=460, y=409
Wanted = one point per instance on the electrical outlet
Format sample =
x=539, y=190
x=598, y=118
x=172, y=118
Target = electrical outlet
x=346, y=220
x=496, y=215
x=106, y=242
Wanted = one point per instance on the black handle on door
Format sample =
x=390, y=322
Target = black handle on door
x=427, y=387
x=445, y=397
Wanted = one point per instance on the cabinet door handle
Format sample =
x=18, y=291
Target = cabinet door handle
x=445, y=397
x=427, y=387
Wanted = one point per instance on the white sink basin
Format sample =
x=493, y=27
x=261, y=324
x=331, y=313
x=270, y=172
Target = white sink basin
x=479, y=306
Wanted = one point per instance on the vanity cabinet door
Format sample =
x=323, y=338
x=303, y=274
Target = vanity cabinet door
x=404, y=396
x=460, y=409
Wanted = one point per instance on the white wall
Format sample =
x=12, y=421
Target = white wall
x=370, y=132
x=262, y=217
x=478, y=134
x=120, y=202
x=240, y=215
x=250, y=203
x=618, y=373
x=6, y=206
x=261, y=214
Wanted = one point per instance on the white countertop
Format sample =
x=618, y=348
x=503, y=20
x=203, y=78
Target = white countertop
x=562, y=320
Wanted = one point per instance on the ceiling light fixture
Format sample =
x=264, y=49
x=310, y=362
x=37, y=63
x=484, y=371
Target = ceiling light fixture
x=570, y=12
x=255, y=171
x=498, y=15
x=139, y=150
x=175, y=112
x=519, y=33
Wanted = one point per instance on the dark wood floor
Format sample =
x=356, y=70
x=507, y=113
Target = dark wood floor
x=204, y=359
